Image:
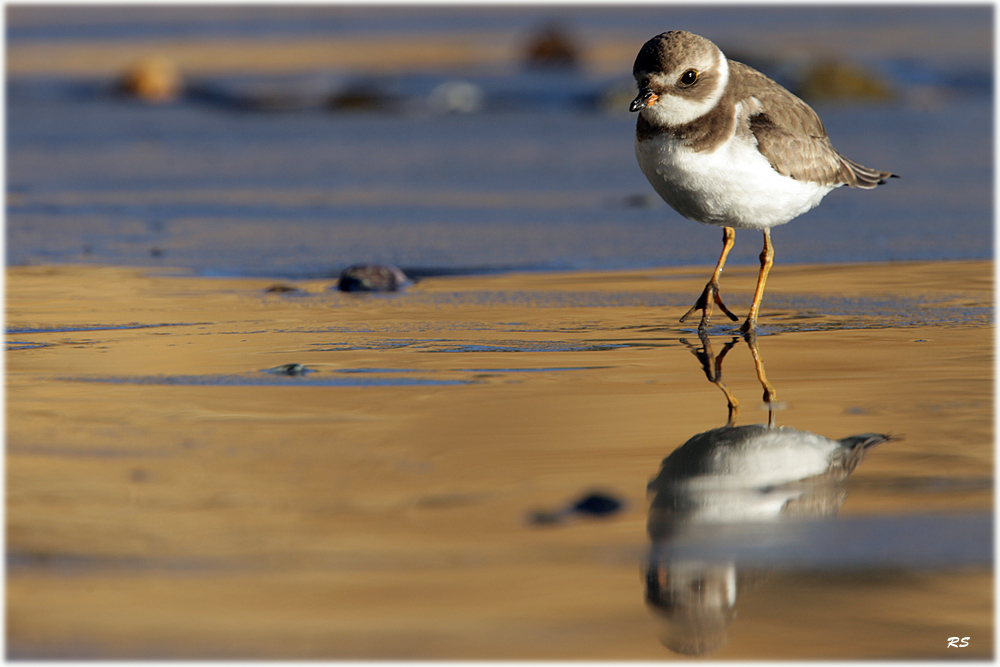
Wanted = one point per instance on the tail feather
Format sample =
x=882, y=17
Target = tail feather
x=855, y=447
x=866, y=440
x=859, y=176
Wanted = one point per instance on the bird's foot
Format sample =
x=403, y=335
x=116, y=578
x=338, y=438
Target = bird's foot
x=749, y=328
x=709, y=298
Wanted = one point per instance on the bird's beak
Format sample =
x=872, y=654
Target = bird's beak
x=645, y=98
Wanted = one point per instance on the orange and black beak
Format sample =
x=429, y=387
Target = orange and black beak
x=645, y=98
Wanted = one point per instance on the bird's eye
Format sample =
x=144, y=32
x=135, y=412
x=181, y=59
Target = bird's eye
x=688, y=78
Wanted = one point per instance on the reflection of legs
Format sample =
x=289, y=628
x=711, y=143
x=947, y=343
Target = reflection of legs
x=711, y=294
x=712, y=366
x=769, y=395
x=766, y=259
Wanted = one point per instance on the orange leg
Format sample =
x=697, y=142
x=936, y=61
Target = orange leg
x=711, y=294
x=766, y=260
x=712, y=365
x=770, y=397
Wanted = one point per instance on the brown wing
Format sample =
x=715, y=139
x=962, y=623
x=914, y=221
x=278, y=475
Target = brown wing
x=792, y=137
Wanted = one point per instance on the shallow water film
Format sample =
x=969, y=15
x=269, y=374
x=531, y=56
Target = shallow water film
x=216, y=451
x=202, y=468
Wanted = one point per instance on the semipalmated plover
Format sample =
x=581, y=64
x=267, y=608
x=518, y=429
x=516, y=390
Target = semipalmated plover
x=729, y=490
x=725, y=145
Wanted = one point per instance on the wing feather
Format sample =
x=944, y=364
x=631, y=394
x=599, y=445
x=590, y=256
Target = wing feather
x=792, y=137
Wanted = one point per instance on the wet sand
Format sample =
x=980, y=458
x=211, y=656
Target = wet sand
x=168, y=499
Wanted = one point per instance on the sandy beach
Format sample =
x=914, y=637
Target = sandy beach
x=214, y=454
x=166, y=498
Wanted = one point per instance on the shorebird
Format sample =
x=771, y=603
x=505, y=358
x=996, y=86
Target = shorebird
x=725, y=145
x=738, y=486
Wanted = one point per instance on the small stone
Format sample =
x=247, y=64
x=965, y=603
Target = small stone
x=455, y=96
x=289, y=369
x=281, y=288
x=639, y=200
x=360, y=96
x=152, y=80
x=834, y=81
x=552, y=48
x=598, y=504
x=372, y=278
x=593, y=504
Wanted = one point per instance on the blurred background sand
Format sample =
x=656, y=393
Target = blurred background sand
x=295, y=141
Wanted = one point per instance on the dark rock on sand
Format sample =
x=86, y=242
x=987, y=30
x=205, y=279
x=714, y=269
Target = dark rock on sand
x=592, y=504
x=281, y=288
x=372, y=278
x=289, y=369
x=835, y=81
x=552, y=47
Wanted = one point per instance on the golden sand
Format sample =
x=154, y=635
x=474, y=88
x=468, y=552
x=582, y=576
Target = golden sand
x=162, y=504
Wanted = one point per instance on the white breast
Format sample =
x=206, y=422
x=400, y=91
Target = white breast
x=754, y=481
x=733, y=186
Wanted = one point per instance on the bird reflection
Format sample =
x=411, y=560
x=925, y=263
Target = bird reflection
x=712, y=365
x=730, y=483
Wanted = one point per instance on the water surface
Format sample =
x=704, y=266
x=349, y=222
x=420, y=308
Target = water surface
x=541, y=176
